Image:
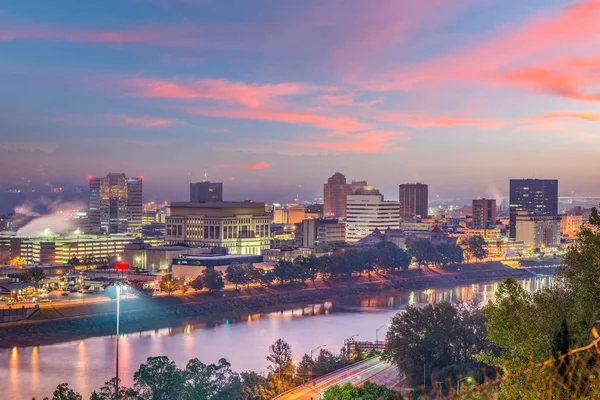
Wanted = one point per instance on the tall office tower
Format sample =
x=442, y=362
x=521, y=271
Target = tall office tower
x=484, y=213
x=413, y=200
x=115, y=204
x=532, y=197
x=206, y=191
x=365, y=212
x=334, y=196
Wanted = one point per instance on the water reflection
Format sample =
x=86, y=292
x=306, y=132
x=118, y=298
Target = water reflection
x=242, y=338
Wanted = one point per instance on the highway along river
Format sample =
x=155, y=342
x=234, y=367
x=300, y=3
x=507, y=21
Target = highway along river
x=243, y=340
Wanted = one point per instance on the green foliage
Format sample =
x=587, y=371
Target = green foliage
x=198, y=283
x=580, y=274
x=284, y=271
x=34, y=274
x=392, y=257
x=522, y=325
x=435, y=336
x=107, y=392
x=474, y=247
x=212, y=280
x=369, y=391
x=64, y=392
x=423, y=252
x=236, y=274
x=449, y=254
x=159, y=379
x=168, y=284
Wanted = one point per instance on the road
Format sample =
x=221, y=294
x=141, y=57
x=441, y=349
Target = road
x=373, y=369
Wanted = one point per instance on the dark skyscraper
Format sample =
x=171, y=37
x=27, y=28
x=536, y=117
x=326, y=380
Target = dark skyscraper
x=413, y=200
x=532, y=197
x=334, y=196
x=115, y=204
x=205, y=191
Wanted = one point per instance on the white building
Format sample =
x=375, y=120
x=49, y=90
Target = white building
x=538, y=230
x=241, y=227
x=365, y=212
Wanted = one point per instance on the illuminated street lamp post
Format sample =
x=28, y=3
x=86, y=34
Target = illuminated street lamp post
x=118, y=287
x=378, y=329
x=315, y=349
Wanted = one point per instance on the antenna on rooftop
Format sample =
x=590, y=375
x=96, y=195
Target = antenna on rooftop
x=205, y=174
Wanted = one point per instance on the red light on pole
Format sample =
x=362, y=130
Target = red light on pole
x=121, y=266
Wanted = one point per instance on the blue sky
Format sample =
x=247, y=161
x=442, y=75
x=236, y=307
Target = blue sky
x=276, y=96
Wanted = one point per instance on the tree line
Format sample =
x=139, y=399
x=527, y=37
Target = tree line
x=161, y=379
x=444, y=342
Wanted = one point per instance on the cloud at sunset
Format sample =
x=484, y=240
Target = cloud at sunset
x=258, y=165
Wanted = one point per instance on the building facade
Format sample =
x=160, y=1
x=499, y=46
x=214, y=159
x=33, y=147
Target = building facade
x=115, y=204
x=538, y=230
x=316, y=232
x=286, y=254
x=532, y=197
x=414, y=200
x=484, y=213
x=240, y=227
x=205, y=191
x=365, y=213
x=334, y=196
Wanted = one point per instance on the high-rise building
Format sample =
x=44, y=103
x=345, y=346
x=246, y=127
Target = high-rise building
x=365, y=212
x=532, y=197
x=206, y=191
x=413, y=200
x=115, y=204
x=484, y=213
x=240, y=227
x=334, y=196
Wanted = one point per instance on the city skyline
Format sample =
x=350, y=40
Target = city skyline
x=275, y=98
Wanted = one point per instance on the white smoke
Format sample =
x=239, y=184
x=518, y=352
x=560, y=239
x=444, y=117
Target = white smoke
x=59, y=221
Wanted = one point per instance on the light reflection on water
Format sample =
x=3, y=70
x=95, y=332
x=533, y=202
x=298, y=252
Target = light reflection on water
x=242, y=338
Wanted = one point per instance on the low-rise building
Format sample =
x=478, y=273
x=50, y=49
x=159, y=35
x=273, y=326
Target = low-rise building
x=286, y=254
x=156, y=258
x=240, y=227
x=538, y=230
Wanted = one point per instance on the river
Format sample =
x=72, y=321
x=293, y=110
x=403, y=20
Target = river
x=243, y=340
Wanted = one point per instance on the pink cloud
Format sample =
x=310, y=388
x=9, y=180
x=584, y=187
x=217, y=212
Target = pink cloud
x=258, y=165
x=574, y=29
x=590, y=116
x=366, y=142
x=250, y=95
x=147, y=122
x=417, y=121
x=307, y=118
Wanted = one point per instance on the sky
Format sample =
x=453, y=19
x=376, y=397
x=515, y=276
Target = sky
x=276, y=96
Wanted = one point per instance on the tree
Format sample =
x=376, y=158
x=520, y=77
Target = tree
x=213, y=279
x=522, y=325
x=236, y=274
x=255, y=387
x=64, y=392
x=198, y=283
x=368, y=391
x=266, y=277
x=369, y=260
x=34, y=274
x=282, y=368
x=435, y=336
x=252, y=274
x=74, y=261
x=422, y=251
x=142, y=289
x=107, y=392
x=476, y=247
x=579, y=273
x=159, y=379
x=393, y=257
x=284, y=271
x=449, y=254
x=168, y=284
x=309, y=265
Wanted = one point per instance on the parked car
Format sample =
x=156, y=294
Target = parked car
x=64, y=294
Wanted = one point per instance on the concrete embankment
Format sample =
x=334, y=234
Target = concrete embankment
x=59, y=324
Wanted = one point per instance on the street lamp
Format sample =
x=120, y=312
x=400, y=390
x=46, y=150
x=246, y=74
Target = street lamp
x=315, y=349
x=350, y=338
x=380, y=328
x=118, y=287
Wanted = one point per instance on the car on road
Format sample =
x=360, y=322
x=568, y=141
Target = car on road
x=64, y=294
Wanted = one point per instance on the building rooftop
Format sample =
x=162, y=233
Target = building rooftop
x=220, y=204
x=216, y=257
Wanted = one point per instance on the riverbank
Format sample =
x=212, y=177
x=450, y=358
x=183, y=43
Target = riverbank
x=77, y=321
